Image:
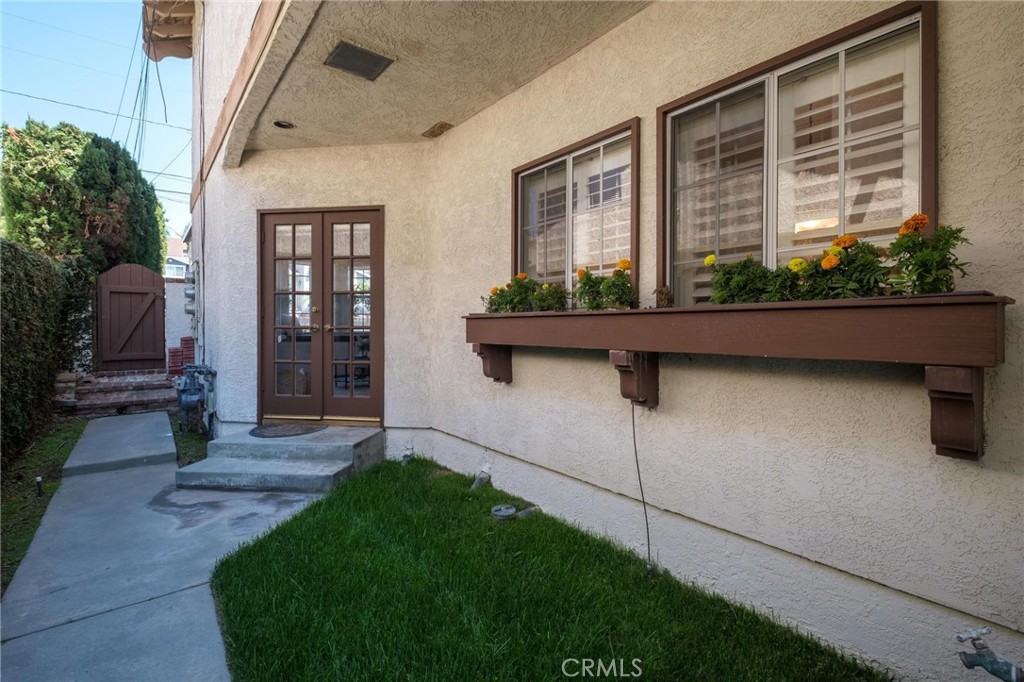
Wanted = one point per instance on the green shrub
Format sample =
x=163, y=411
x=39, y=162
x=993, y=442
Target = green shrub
x=848, y=269
x=744, y=281
x=550, y=297
x=926, y=264
x=617, y=290
x=588, y=290
x=33, y=336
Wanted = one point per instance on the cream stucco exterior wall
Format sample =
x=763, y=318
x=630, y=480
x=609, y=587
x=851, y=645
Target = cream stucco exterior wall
x=807, y=489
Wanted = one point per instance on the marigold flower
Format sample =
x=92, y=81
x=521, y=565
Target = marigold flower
x=914, y=224
x=829, y=262
x=581, y=273
x=834, y=250
x=546, y=287
x=494, y=290
x=797, y=264
x=522, y=276
x=624, y=264
x=710, y=260
x=845, y=242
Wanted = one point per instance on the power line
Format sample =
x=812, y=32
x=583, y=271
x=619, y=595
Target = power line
x=172, y=191
x=99, y=111
x=124, y=87
x=59, y=28
x=60, y=61
x=169, y=176
x=168, y=165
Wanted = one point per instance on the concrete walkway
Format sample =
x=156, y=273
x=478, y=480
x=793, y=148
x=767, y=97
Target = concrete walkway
x=115, y=585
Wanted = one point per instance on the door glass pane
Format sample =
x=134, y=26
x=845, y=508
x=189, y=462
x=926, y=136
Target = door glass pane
x=283, y=310
x=303, y=379
x=360, y=381
x=361, y=344
x=303, y=344
x=809, y=200
x=361, y=274
x=361, y=310
x=304, y=240
x=361, y=239
x=283, y=344
x=341, y=345
x=283, y=240
x=809, y=108
x=342, y=236
x=341, y=275
x=283, y=378
x=342, y=384
x=342, y=310
x=283, y=275
x=303, y=275
x=303, y=304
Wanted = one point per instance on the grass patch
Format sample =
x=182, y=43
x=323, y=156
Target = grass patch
x=22, y=509
x=190, y=445
x=401, y=574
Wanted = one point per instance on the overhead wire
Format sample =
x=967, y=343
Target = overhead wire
x=127, y=75
x=79, y=106
x=65, y=30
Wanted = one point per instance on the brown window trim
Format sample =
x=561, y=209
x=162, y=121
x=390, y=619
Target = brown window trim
x=929, y=103
x=633, y=127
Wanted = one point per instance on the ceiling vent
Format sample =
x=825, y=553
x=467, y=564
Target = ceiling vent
x=361, y=62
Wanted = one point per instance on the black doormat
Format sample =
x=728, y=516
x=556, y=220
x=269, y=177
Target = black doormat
x=284, y=430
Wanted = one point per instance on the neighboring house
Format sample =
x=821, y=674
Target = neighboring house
x=176, y=263
x=345, y=223
x=177, y=323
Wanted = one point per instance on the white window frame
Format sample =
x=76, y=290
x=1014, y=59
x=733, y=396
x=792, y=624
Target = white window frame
x=770, y=252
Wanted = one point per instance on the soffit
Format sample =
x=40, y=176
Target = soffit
x=452, y=59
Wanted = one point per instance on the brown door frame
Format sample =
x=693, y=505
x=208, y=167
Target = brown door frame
x=377, y=296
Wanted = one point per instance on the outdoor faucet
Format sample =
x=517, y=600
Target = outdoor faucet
x=986, y=658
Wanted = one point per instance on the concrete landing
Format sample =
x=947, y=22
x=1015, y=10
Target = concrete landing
x=115, y=586
x=314, y=462
x=282, y=475
x=114, y=443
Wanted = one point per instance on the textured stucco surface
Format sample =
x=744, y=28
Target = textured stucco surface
x=807, y=488
x=176, y=323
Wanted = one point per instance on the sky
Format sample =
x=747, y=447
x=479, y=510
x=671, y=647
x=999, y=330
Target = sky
x=86, y=54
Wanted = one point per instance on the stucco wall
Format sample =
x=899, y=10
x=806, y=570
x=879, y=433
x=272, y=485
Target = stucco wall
x=808, y=489
x=176, y=322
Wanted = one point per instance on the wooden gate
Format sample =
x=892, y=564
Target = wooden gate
x=129, y=323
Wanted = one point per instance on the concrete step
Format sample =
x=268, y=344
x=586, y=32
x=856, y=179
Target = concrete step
x=280, y=475
x=363, y=446
x=114, y=386
x=123, y=402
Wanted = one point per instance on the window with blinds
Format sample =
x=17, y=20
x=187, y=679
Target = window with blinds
x=585, y=225
x=782, y=165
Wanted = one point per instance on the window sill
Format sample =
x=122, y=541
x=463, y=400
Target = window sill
x=954, y=335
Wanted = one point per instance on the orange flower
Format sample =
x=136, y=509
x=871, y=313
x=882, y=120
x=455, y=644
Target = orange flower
x=624, y=264
x=845, y=242
x=494, y=290
x=829, y=262
x=915, y=224
x=522, y=276
x=581, y=273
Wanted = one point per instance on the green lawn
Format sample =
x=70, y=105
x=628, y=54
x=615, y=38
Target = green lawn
x=401, y=574
x=190, y=445
x=22, y=508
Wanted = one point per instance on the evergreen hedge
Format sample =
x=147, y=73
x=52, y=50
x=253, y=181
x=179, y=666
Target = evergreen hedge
x=33, y=298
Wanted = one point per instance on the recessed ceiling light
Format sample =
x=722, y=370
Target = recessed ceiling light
x=287, y=125
x=357, y=60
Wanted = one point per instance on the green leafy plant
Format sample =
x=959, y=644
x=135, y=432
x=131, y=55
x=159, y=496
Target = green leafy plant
x=617, y=290
x=925, y=264
x=743, y=281
x=849, y=268
x=588, y=290
x=524, y=294
x=550, y=297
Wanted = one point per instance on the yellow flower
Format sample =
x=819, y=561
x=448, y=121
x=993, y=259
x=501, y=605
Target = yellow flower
x=624, y=264
x=829, y=262
x=797, y=264
x=581, y=273
x=522, y=276
x=710, y=260
x=834, y=250
x=545, y=287
x=494, y=290
x=845, y=242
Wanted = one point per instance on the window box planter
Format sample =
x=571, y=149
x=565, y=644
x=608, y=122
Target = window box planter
x=953, y=335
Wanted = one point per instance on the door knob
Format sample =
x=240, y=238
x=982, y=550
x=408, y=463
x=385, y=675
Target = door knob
x=316, y=327
x=328, y=328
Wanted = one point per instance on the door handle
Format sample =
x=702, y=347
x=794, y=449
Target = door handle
x=316, y=327
x=328, y=328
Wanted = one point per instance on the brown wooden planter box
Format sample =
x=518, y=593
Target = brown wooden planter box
x=953, y=335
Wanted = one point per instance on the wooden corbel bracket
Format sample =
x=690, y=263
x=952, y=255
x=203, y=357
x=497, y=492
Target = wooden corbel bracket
x=957, y=396
x=497, y=361
x=638, y=376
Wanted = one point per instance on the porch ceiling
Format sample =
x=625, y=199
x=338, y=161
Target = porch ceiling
x=451, y=60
